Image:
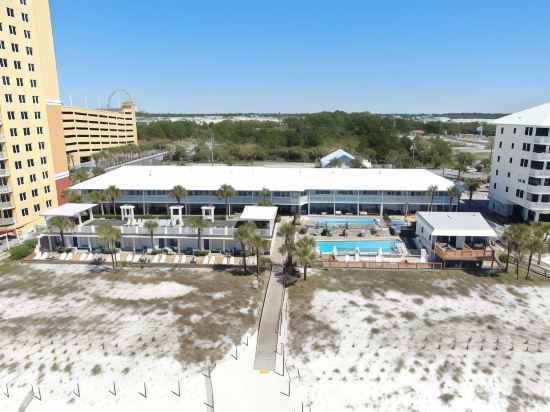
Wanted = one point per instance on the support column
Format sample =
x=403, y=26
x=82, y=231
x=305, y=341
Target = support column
x=89, y=244
x=334, y=203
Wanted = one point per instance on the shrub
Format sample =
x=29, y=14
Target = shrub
x=201, y=253
x=303, y=230
x=23, y=250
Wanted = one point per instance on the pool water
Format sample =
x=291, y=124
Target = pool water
x=364, y=246
x=336, y=221
x=398, y=222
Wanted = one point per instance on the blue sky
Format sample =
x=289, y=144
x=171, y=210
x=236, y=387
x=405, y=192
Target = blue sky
x=306, y=56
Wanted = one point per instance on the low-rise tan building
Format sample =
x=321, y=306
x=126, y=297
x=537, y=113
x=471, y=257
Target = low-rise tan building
x=88, y=131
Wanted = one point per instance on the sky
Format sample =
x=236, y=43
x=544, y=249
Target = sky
x=305, y=56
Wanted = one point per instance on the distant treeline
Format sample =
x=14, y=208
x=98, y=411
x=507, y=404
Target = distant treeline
x=307, y=137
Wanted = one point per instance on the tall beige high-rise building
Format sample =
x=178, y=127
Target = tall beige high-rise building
x=33, y=162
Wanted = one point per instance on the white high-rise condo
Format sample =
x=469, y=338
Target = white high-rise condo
x=520, y=170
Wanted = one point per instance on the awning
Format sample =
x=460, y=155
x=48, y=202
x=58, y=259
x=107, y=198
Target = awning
x=69, y=210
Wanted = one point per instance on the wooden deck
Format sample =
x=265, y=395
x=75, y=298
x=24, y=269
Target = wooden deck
x=335, y=264
x=468, y=253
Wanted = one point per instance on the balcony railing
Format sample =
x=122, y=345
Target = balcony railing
x=7, y=221
x=5, y=189
x=446, y=253
x=4, y=172
x=3, y=155
x=7, y=205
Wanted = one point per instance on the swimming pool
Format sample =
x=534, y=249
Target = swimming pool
x=342, y=221
x=342, y=246
x=398, y=222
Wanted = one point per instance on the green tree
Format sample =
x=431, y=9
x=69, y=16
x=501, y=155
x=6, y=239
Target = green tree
x=244, y=234
x=198, y=223
x=151, y=226
x=304, y=252
x=62, y=224
x=178, y=192
x=432, y=190
x=454, y=193
x=97, y=196
x=534, y=244
x=226, y=192
x=472, y=185
x=260, y=245
x=265, y=193
x=288, y=231
x=79, y=175
x=544, y=228
x=112, y=193
x=518, y=235
x=463, y=161
x=110, y=236
x=72, y=196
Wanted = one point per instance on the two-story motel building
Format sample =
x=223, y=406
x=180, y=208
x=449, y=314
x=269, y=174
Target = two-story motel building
x=293, y=190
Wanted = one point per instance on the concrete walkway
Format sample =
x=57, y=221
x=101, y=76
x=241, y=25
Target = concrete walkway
x=270, y=320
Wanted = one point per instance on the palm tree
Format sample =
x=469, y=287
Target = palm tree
x=111, y=193
x=534, y=244
x=78, y=176
x=110, y=235
x=61, y=224
x=544, y=228
x=226, y=192
x=72, y=196
x=508, y=240
x=288, y=231
x=432, y=190
x=244, y=234
x=454, y=193
x=260, y=245
x=98, y=197
x=198, y=224
x=151, y=226
x=471, y=185
x=519, y=234
x=265, y=193
x=178, y=192
x=305, y=252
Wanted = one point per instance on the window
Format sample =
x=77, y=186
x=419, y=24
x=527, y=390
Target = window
x=528, y=131
x=536, y=165
x=22, y=196
x=27, y=34
x=31, y=67
x=11, y=115
x=23, y=2
x=47, y=189
x=37, y=115
x=526, y=147
x=39, y=130
x=43, y=160
x=29, y=51
x=41, y=145
x=513, y=145
x=13, y=132
x=34, y=192
x=494, y=185
x=17, y=64
x=48, y=203
x=524, y=163
x=534, y=181
x=45, y=174
x=25, y=17
x=33, y=178
x=22, y=98
x=498, y=158
x=13, y=30
x=6, y=80
x=532, y=197
x=20, y=181
x=519, y=193
x=515, y=130
x=30, y=162
x=2, y=44
x=545, y=198
x=24, y=115
x=28, y=147
x=36, y=208
x=539, y=148
x=25, y=212
x=8, y=97
x=496, y=172
x=35, y=99
x=15, y=47
x=510, y=160
x=500, y=145
x=15, y=148
x=26, y=131
x=502, y=130
x=34, y=83
x=542, y=131
x=10, y=12
x=18, y=165
x=3, y=63
x=506, y=189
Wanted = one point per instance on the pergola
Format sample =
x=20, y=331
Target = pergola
x=71, y=210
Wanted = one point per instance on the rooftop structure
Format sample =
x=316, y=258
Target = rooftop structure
x=457, y=224
x=520, y=182
x=343, y=157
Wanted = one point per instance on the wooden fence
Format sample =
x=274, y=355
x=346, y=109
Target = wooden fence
x=383, y=265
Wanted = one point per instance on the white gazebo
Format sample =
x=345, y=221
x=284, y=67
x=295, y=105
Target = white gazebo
x=127, y=213
x=208, y=212
x=176, y=215
x=71, y=211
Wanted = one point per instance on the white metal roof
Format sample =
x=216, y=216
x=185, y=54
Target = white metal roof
x=457, y=224
x=337, y=154
x=535, y=116
x=69, y=210
x=260, y=213
x=247, y=178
